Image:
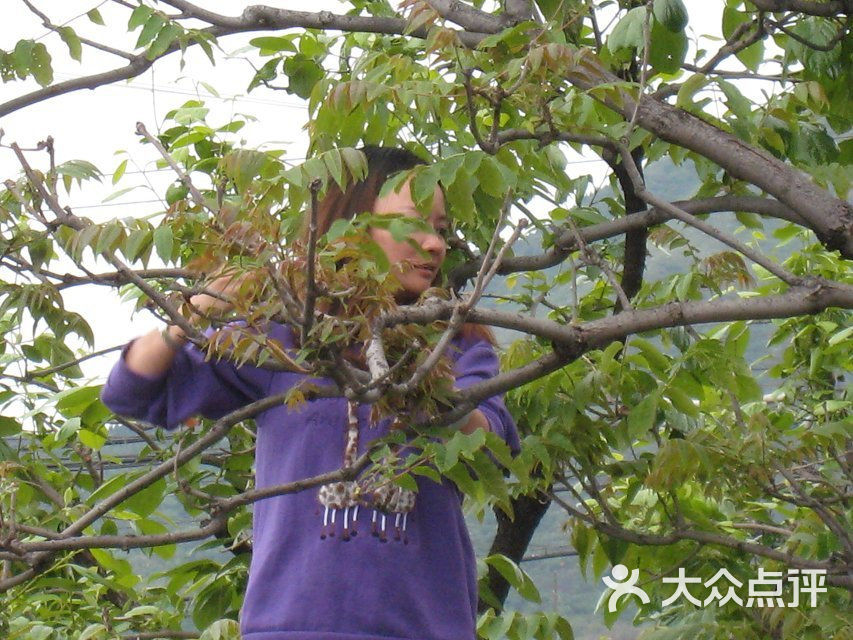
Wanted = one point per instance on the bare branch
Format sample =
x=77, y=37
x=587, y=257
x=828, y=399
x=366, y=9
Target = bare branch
x=467, y=17
x=592, y=257
x=824, y=9
x=828, y=46
x=39, y=373
x=565, y=243
x=754, y=255
x=182, y=175
x=91, y=43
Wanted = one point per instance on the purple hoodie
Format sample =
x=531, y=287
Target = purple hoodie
x=420, y=587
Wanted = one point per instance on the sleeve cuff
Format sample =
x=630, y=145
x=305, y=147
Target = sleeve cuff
x=122, y=381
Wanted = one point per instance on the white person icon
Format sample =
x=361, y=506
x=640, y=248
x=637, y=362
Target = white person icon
x=622, y=587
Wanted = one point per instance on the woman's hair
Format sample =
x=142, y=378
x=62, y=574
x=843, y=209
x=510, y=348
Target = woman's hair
x=338, y=204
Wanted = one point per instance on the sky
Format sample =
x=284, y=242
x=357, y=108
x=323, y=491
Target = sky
x=99, y=125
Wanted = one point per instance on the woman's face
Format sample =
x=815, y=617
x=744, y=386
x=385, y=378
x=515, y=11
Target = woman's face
x=415, y=271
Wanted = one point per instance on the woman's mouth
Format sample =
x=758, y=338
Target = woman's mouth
x=425, y=270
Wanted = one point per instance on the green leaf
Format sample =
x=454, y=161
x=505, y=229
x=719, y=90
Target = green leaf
x=516, y=577
x=95, y=16
x=40, y=64
x=79, y=170
x=119, y=172
x=243, y=165
x=136, y=243
x=9, y=426
x=222, y=630
x=840, y=336
x=95, y=631
x=269, y=45
x=151, y=28
x=681, y=401
x=146, y=501
x=69, y=37
x=628, y=32
x=667, y=50
x=176, y=192
x=91, y=439
x=139, y=16
x=164, y=242
x=74, y=402
x=672, y=14
x=165, y=37
x=689, y=88
x=642, y=417
x=210, y=604
x=302, y=73
x=752, y=56
x=658, y=361
x=735, y=100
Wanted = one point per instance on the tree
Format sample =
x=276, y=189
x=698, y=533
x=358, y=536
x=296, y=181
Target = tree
x=642, y=416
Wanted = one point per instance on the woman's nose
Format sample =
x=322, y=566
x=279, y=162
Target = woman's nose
x=434, y=243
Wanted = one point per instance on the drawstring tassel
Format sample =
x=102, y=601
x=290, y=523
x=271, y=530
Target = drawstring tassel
x=346, y=525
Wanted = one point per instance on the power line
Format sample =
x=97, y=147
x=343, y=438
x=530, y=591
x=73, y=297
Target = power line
x=114, y=204
x=198, y=94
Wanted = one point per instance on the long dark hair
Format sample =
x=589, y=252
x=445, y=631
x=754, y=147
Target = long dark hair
x=338, y=204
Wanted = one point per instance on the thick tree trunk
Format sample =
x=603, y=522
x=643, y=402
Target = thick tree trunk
x=512, y=539
x=634, y=261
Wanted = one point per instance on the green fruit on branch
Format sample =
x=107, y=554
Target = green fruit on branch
x=672, y=14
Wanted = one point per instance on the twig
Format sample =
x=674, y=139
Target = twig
x=310, y=284
x=594, y=258
x=60, y=367
x=595, y=29
x=757, y=257
x=455, y=323
x=829, y=46
x=472, y=112
x=91, y=43
x=487, y=269
x=182, y=175
x=647, y=45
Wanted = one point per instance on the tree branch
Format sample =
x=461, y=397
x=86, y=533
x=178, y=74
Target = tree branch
x=565, y=243
x=754, y=255
x=467, y=17
x=824, y=9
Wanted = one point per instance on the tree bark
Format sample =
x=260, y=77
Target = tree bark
x=634, y=261
x=512, y=539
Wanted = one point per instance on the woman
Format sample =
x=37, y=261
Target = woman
x=313, y=577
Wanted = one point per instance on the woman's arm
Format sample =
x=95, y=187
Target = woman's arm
x=167, y=382
x=476, y=362
x=152, y=355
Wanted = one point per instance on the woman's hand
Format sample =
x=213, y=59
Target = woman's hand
x=473, y=421
x=227, y=286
